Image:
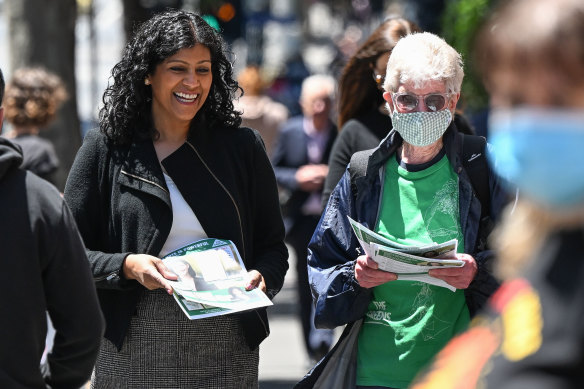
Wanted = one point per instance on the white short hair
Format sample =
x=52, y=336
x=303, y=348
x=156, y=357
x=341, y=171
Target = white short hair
x=422, y=57
x=319, y=82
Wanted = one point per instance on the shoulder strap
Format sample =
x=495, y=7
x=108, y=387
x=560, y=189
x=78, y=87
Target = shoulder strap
x=358, y=167
x=475, y=163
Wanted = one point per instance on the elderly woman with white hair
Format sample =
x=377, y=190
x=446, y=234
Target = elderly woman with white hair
x=425, y=183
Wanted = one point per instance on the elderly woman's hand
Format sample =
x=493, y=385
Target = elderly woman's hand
x=149, y=271
x=368, y=275
x=459, y=277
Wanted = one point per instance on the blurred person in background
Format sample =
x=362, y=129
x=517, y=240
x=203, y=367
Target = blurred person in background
x=258, y=110
x=531, y=54
x=285, y=88
x=44, y=269
x=300, y=163
x=33, y=97
x=170, y=165
x=415, y=188
x=426, y=13
x=363, y=119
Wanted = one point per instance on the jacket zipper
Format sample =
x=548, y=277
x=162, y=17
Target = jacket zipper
x=238, y=218
x=226, y=191
x=115, y=274
x=106, y=277
x=143, y=179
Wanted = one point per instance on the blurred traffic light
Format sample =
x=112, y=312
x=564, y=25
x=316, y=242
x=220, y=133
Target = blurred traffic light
x=228, y=14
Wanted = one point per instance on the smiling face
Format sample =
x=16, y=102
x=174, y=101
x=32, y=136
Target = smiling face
x=180, y=85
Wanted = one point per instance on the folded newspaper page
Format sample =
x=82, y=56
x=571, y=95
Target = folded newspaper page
x=410, y=263
x=211, y=279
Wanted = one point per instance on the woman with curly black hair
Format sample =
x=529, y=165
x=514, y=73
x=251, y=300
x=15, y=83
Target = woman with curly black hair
x=170, y=165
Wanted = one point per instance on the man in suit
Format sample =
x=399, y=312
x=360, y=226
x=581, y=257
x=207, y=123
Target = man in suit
x=300, y=163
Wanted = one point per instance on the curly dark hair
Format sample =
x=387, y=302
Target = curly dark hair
x=358, y=92
x=126, y=114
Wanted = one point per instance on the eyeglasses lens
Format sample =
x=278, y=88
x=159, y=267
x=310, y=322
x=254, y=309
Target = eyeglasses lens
x=435, y=102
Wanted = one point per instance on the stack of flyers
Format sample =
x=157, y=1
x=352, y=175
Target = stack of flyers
x=410, y=263
x=211, y=279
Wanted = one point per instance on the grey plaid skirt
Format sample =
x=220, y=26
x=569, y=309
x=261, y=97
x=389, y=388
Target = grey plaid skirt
x=164, y=349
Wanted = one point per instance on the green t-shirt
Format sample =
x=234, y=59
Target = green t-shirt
x=408, y=322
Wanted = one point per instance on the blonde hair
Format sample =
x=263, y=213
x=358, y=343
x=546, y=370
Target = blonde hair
x=421, y=57
x=521, y=233
x=528, y=35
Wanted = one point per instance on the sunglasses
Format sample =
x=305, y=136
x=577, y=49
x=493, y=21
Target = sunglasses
x=408, y=102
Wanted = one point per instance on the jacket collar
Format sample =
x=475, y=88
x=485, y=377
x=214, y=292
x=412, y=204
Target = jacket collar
x=142, y=171
x=393, y=140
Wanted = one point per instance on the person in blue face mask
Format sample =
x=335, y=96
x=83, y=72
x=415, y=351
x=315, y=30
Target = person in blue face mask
x=531, y=53
x=416, y=190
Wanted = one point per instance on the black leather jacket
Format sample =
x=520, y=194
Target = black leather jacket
x=120, y=201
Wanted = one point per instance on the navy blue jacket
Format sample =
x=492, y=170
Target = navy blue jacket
x=334, y=248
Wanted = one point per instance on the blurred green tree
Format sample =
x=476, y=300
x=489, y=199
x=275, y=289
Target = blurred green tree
x=460, y=22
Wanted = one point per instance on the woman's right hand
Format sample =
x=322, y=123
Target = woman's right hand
x=368, y=275
x=149, y=271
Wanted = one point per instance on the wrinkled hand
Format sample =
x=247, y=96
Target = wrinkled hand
x=368, y=275
x=311, y=177
x=459, y=277
x=149, y=271
x=255, y=280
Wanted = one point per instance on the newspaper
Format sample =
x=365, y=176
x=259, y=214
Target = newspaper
x=410, y=263
x=211, y=279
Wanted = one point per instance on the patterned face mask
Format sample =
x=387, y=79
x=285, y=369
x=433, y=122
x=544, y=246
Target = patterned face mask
x=421, y=128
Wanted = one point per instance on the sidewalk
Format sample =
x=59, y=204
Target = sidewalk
x=283, y=360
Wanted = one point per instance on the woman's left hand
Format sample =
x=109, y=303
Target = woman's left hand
x=255, y=280
x=459, y=277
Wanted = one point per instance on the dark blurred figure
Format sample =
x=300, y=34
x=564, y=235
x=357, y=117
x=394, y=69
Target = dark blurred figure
x=259, y=111
x=531, y=54
x=426, y=13
x=363, y=118
x=33, y=97
x=44, y=268
x=302, y=151
x=286, y=87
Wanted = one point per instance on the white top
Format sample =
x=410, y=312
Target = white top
x=186, y=228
